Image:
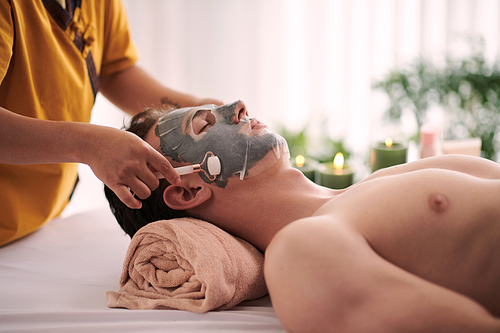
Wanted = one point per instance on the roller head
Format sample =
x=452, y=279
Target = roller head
x=213, y=165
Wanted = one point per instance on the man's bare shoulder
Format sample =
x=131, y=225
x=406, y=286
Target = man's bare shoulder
x=327, y=229
x=323, y=263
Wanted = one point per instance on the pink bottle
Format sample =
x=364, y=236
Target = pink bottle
x=430, y=141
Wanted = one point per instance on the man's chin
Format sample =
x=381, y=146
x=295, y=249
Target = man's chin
x=273, y=157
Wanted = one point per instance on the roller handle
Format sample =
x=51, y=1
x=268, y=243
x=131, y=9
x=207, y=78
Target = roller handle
x=188, y=169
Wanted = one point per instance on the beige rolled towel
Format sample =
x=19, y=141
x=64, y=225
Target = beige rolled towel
x=188, y=264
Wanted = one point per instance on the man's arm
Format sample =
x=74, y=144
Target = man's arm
x=133, y=90
x=119, y=159
x=475, y=166
x=325, y=277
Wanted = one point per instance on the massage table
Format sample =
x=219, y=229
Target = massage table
x=56, y=279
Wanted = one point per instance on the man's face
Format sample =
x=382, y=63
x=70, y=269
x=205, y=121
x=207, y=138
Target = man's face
x=244, y=145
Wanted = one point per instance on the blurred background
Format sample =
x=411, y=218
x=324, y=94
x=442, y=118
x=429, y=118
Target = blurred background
x=325, y=73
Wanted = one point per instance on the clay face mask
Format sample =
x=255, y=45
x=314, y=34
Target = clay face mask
x=188, y=134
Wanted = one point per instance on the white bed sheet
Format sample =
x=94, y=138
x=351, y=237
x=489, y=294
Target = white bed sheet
x=56, y=279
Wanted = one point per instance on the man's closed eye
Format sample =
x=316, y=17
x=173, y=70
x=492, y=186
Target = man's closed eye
x=202, y=121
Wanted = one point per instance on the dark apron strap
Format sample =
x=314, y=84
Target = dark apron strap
x=63, y=18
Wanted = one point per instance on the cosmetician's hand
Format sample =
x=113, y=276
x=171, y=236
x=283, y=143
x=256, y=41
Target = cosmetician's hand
x=124, y=162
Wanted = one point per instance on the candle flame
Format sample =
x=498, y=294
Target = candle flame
x=338, y=161
x=388, y=142
x=300, y=161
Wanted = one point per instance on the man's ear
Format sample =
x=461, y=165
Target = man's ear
x=182, y=197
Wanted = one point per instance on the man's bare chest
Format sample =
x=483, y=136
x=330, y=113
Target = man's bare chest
x=430, y=224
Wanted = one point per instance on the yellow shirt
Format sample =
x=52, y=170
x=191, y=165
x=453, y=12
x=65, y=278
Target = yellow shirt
x=50, y=63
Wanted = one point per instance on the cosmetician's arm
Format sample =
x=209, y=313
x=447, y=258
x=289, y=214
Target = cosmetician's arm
x=119, y=159
x=133, y=90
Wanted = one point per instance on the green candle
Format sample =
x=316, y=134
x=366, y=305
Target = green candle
x=335, y=175
x=386, y=154
x=306, y=165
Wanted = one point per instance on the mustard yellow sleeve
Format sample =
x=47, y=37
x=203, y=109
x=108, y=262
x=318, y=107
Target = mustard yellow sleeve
x=119, y=51
x=6, y=37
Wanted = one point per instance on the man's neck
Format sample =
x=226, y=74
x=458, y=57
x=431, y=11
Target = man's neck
x=257, y=211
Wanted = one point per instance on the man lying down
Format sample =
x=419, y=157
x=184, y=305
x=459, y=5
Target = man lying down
x=412, y=248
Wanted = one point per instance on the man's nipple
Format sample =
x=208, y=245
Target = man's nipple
x=438, y=202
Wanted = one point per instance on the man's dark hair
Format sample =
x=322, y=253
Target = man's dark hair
x=153, y=208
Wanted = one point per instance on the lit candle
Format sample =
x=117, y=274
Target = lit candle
x=308, y=167
x=336, y=175
x=386, y=154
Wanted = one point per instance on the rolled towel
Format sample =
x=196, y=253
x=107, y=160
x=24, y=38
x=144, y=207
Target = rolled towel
x=188, y=264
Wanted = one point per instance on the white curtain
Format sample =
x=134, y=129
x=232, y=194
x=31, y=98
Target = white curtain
x=300, y=63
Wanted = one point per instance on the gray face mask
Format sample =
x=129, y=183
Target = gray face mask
x=187, y=134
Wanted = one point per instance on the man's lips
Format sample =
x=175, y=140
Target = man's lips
x=253, y=127
x=256, y=124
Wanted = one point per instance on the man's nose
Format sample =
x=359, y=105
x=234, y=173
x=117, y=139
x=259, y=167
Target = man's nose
x=240, y=111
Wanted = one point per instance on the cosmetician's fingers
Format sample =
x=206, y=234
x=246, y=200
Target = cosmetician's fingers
x=121, y=161
x=146, y=181
x=141, y=180
x=126, y=196
x=141, y=189
x=133, y=190
x=158, y=163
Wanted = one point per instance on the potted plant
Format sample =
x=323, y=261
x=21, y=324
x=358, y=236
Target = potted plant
x=468, y=89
